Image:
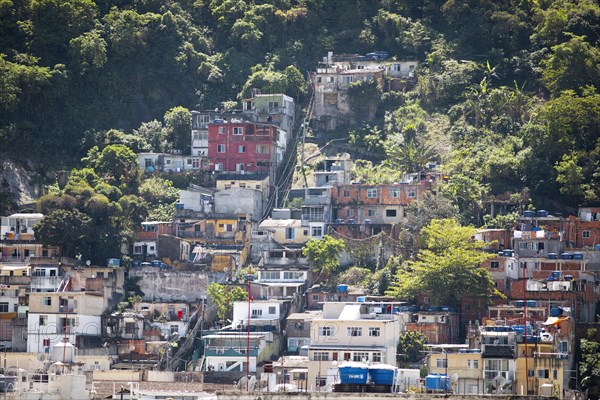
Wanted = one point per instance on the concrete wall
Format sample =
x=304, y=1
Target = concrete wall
x=171, y=285
x=118, y=375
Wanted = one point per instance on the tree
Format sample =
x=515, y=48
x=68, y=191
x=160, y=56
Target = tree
x=117, y=164
x=447, y=266
x=223, y=298
x=354, y=276
x=589, y=366
x=572, y=65
x=324, y=254
x=411, y=346
x=178, y=125
x=410, y=156
x=71, y=230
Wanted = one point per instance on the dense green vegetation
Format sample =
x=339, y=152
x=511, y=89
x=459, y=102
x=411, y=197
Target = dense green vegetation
x=506, y=97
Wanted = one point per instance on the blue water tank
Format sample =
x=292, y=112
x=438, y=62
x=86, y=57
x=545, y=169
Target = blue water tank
x=113, y=262
x=435, y=382
x=577, y=256
x=353, y=373
x=179, y=206
x=382, y=374
x=597, y=247
x=136, y=263
x=342, y=288
x=531, y=303
x=556, y=312
x=528, y=214
x=541, y=213
x=568, y=277
x=520, y=303
x=556, y=275
x=565, y=256
x=155, y=263
x=361, y=299
x=552, y=256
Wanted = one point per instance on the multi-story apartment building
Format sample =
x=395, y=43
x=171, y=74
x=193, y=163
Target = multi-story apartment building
x=277, y=109
x=245, y=147
x=363, y=332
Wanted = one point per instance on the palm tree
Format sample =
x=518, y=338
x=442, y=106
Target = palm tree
x=411, y=156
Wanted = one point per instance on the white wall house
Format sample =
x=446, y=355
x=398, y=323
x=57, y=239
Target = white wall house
x=263, y=313
x=19, y=226
x=352, y=332
x=54, y=316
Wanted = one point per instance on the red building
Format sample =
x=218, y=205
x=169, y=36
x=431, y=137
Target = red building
x=243, y=147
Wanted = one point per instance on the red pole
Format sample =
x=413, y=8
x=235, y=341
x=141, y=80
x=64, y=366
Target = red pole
x=525, y=329
x=248, y=343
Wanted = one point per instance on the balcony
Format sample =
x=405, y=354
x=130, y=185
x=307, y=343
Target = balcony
x=66, y=309
x=492, y=351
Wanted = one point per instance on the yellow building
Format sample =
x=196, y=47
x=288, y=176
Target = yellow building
x=463, y=366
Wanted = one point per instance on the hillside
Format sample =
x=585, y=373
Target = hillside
x=505, y=95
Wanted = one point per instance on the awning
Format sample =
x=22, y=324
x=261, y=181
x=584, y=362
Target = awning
x=555, y=320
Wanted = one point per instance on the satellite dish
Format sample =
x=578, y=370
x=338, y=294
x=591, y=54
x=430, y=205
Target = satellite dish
x=88, y=263
x=498, y=382
x=453, y=382
x=131, y=348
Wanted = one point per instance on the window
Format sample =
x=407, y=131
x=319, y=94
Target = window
x=272, y=311
x=316, y=231
x=354, y=331
x=390, y=212
x=238, y=130
x=47, y=301
x=585, y=234
x=256, y=313
x=130, y=327
x=292, y=275
x=411, y=194
x=395, y=192
x=370, y=213
x=46, y=342
x=222, y=129
x=494, y=264
x=543, y=373
x=374, y=332
x=473, y=364
x=371, y=193
x=441, y=363
x=270, y=274
x=493, y=368
x=346, y=79
x=318, y=79
x=522, y=245
x=220, y=148
x=321, y=356
x=262, y=149
x=360, y=356
x=239, y=167
x=326, y=331
x=315, y=297
x=3, y=307
x=43, y=320
x=426, y=299
x=396, y=67
x=241, y=149
x=290, y=233
x=376, y=357
x=346, y=193
x=330, y=79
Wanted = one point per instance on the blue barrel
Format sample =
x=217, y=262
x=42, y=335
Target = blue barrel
x=528, y=214
x=565, y=256
x=342, y=288
x=520, y=303
x=382, y=374
x=552, y=256
x=135, y=263
x=597, y=247
x=568, y=277
x=435, y=382
x=556, y=275
x=541, y=213
x=577, y=256
x=509, y=253
x=353, y=373
x=155, y=263
x=361, y=299
x=179, y=206
x=556, y=312
x=531, y=303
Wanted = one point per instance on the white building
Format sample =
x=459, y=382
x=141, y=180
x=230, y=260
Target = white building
x=19, y=226
x=266, y=315
x=361, y=332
